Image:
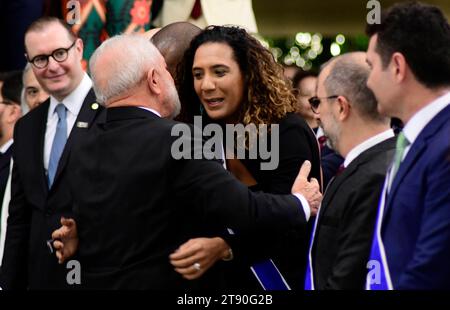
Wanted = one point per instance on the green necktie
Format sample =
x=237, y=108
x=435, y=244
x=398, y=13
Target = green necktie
x=401, y=145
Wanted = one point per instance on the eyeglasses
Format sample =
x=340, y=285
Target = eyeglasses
x=315, y=101
x=59, y=55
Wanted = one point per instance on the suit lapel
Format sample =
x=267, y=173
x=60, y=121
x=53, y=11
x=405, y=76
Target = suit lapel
x=87, y=115
x=335, y=184
x=415, y=152
x=365, y=156
x=411, y=158
x=5, y=158
x=41, y=115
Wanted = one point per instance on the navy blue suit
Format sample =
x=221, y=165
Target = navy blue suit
x=416, y=223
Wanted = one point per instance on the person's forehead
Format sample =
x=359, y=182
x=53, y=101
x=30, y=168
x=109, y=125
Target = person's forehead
x=323, y=75
x=47, y=39
x=218, y=51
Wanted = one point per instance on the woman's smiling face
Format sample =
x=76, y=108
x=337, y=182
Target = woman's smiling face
x=218, y=81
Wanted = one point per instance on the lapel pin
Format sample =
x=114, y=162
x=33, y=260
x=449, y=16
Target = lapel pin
x=94, y=106
x=82, y=125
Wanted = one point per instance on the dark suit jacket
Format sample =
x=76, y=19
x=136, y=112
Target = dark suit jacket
x=416, y=224
x=297, y=143
x=5, y=160
x=136, y=204
x=347, y=219
x=34, y=210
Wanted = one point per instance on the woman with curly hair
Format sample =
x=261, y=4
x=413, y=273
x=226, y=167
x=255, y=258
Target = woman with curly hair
x=228, y=77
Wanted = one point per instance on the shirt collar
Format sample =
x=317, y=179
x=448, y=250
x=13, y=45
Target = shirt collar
x=72, y=102
x=367, y=144
x=151, y=110
x=419, y=120
x=6, y=146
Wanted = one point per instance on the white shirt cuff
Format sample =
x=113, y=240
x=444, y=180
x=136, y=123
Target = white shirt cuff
x=304, y=204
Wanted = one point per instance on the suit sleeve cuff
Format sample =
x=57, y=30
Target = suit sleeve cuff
x=305, y=205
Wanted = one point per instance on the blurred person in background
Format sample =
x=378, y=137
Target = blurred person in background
x=33, y=93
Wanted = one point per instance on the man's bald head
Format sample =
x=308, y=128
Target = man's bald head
x=172, y=41
x=347, y=75
x=117, y=70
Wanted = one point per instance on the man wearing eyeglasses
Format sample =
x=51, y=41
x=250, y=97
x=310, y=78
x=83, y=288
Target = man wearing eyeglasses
x=342, y=236
x=43, y=139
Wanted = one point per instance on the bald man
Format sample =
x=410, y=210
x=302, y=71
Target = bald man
x=172, y=41
x=347, y=112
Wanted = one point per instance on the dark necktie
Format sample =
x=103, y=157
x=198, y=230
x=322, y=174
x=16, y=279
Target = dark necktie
x=340, y=169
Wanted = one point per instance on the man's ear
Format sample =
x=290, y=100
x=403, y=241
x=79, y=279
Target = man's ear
x=13, y=113
x=398, y=67
x=154, y=81
x=344, y=108
x=79, y=46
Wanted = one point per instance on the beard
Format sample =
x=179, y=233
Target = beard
x=172, y=101
x=332, y=132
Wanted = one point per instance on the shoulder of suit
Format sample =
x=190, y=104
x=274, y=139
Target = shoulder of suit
x=37, y=114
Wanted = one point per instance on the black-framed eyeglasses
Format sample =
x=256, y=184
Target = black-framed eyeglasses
x=59, y=55
x=315, y=101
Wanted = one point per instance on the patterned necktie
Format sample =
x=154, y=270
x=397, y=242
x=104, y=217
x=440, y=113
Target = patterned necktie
x=58, y=142
x=340, y=169
x=402, y=144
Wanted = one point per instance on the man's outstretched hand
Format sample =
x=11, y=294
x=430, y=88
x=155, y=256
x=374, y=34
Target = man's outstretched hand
x=65, y=240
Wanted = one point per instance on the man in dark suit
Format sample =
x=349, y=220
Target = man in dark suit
x=410, y=60
x=43, y=139
x=342, y=236
x=10, y=112
x=136, y=202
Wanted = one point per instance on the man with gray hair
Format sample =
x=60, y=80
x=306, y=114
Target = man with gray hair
x=32, y=92
x=135, y=202
x=342, y=236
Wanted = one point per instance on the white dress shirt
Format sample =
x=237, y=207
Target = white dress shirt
x=73, y=103
x=367, y=144
x=419, y=120
x=6, y=146
x=151, y=110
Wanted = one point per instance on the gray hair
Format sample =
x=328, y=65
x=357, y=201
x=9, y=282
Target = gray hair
x=23, y=101
x=348, y=78
x=133, y=56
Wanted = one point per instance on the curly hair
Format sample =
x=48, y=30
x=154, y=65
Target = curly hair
x=268, y=95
